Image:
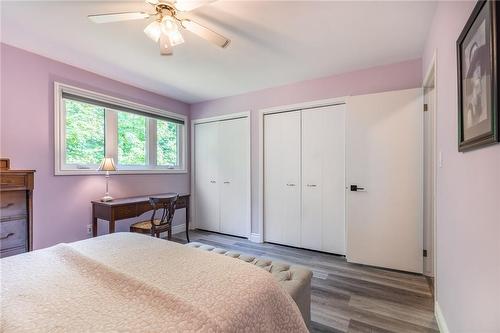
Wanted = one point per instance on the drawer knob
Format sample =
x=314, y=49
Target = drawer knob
x=8, y=235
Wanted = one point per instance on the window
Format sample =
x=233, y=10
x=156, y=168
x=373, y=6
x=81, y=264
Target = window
x=132, y=136
x=90, y=126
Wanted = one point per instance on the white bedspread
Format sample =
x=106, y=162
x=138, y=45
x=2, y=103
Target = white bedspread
x=127, y=282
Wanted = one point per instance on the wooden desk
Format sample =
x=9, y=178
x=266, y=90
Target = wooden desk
x=125, y=208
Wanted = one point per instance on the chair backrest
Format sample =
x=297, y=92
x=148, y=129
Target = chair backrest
x=163, y=211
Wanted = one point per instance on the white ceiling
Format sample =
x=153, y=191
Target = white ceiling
x=272, y=42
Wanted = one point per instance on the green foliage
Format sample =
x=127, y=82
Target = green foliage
x=131, y=139
x=84, y=133
x=166, y=151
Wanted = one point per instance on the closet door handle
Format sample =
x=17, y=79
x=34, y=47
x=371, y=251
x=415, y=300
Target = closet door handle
x=356, y=188
x=311, y=185
x=290, y=184
x=226, y=182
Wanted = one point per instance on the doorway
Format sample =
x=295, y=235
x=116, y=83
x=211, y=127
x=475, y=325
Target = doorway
x=430, y=171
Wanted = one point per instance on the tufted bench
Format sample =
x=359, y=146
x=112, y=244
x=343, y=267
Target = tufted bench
x=295, y=279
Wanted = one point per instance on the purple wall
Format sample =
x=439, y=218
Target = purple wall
x=403, y=75
x=62, y=203
x=468, y=200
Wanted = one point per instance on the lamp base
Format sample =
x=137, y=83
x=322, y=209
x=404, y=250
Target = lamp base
x=106, y=198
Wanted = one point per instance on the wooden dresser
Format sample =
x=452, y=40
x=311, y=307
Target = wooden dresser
x=16, y=210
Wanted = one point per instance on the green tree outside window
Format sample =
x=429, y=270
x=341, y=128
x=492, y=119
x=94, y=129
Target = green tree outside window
x=84, y=133
x=166, y=148
x=131, y=139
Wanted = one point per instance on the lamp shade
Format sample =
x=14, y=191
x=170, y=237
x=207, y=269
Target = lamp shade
x=107, y=164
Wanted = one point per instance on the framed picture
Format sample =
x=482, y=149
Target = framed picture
x=477, y=78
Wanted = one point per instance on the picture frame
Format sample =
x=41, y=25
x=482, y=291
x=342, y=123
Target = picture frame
x=478, y=73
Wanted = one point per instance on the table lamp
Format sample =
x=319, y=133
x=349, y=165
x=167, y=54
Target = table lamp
x=107, y=165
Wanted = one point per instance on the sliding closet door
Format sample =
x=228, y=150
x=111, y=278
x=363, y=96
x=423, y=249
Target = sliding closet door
x=234, y=177
x=385, y=136
x=282, y=185
x=206, y=175
x=323, y=179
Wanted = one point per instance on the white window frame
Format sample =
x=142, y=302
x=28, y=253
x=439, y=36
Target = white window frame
x=111, y=137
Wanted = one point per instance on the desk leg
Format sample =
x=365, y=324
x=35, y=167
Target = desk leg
x=187, y=221
x=111, y=226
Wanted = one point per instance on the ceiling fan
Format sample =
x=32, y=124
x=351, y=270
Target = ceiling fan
x=167, y=25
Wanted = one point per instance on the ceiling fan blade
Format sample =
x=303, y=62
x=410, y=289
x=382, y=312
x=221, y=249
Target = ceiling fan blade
x=117, y=17
x=205, y=33
x=165, y=47
x=187, y=5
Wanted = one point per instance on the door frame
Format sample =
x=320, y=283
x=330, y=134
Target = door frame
x=259, y=237
x=430, y=80
x=229, y=116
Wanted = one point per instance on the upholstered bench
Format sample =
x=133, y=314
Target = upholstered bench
x=295, y=279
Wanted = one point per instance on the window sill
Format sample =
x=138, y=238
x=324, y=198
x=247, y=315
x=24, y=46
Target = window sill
x=119, y=172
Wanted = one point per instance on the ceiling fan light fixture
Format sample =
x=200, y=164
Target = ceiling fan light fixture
x=175, y=38
x=153, y=31
x=168, y=25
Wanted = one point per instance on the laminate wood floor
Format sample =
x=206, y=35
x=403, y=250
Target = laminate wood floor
x=346, y=297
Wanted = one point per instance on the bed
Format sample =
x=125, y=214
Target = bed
x=133, y=282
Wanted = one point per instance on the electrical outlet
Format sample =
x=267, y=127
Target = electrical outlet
x=89, y=229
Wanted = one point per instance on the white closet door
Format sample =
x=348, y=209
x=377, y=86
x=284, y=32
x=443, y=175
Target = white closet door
x=206, y=175
x=234, y=176
x=282, y=185
x=385, y=135
x=323, y=179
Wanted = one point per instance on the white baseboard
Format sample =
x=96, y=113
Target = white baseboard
x=177, y=229
x=255, y=238
x=443, y=328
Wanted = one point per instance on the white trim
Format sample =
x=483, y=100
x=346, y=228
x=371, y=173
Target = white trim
x=59, y=135
x=178, y=228
x=255, y=238
x=59, y=87
x=432, y=74
x=443, y=327
x=230, y=116
x=279, y=109
x=305, y=105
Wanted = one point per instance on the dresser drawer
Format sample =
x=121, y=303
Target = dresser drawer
x=13, y=234
x=12, y=203
x=12, y=180
x=12, y=251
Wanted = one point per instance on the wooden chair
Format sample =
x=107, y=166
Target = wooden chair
x=155, y=226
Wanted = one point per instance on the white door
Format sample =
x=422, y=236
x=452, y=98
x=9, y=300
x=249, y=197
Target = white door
x=385, y=158
x=282, y=184
x=323, y=179
x=206, y=175
x=234, y=177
